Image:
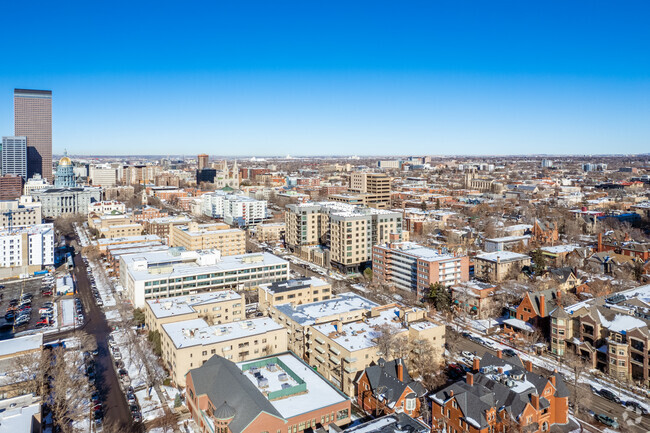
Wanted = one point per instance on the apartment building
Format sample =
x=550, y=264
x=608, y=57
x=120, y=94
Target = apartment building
x=342, y=350
x=234, y=209
x=500, y=393
x=114, y=225
x=306, y=224
x=147, y=213
x=611, y=332
x=349, y=231
x=375, y=187
x=413, y=267
x=190, y=343
x=296, y=292
x=277, y=393
x=25, y=250
x=141, y=174
x=505, y=243
x=195, y=236
x=270, y=232
x=175, y=272
x=219, y=307
x=337, y=336
x=498, y=266
x=162, y=226
x=19, y=213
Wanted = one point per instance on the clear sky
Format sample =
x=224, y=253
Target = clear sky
x=351, y=77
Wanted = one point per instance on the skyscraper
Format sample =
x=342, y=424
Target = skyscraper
x=14, y=156
x=33, y=119
x=203, y=161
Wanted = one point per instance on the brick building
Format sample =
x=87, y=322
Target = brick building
x=500, y=394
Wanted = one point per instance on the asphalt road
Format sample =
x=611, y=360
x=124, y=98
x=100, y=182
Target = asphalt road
x=598, y=404
x=116, y=410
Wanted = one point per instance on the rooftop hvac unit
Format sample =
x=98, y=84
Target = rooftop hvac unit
x=283, y=377
x=262, y=382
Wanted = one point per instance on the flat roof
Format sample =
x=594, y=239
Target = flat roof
x=293, y=284
x=558, y=249
x=420, y=251
x=197, y=332
x=179, y=305
x=20, y=344
x=504, y=256
x=307, y=314
x=184, y=267
x=508, y=238
x=129, y=239
x=319, y=392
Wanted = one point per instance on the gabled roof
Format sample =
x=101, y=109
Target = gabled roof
x=384, y=382
x=550, y=300
x=487, y=392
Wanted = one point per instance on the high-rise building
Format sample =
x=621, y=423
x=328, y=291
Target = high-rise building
x=202, y=161
x=374, y=187
x=33, y=119
x=14, y=156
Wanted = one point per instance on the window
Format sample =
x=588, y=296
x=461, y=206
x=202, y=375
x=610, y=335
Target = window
x=410, y=404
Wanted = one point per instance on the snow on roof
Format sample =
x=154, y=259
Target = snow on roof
x=20, y=344
x=558, y=249
x=519, y=324
x=185, y=304
x=197, y=332
x=621, y=322
x=307, y=314
x=361, y=334
x=503, y=256
x=320, y=393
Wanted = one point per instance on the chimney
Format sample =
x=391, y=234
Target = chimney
x=476, y=366
x=500, y=370
x=553, y=381
x=400, y=370
x=542, y=306
x=600, y=242
x=499, y=354
x=470, y=379
x=529, y=366
x=534, y=400
x=451, y=393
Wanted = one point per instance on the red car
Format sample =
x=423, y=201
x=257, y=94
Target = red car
x=42, y=323
x=46, y=293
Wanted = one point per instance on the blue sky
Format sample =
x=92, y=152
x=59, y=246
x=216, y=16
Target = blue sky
x=366, y=78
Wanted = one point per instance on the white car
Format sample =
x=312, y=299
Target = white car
x=466, y=354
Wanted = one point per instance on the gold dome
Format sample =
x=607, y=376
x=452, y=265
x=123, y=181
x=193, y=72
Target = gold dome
x=65, y=161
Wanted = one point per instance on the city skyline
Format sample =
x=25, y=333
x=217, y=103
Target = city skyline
x=302, y=79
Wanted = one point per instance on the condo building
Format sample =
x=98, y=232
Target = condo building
x=195, y=236
x=14, y=156
x=413, y=267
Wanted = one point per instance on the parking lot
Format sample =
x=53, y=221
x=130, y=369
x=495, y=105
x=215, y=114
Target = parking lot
x=13, y=291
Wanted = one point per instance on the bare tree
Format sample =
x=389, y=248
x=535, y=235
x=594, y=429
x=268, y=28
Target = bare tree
x=69, y=389
x=424, y=363
x=386, y=340
x=28, y=373
x=580, y=397
x=166, y=423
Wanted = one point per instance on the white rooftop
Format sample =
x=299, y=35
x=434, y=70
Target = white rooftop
x=308, y=314
x=558, y=249
x=420, y=251
x=503, y=256
x=320, y=393
x=197, y=332
x=20, y=344
x=179, y=305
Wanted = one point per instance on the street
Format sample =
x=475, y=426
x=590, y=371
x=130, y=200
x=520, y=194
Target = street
x=598, y=404
x=116, y=409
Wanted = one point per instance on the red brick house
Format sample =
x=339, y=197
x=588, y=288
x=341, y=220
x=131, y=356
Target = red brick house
x=544, y=233
x=387, y=387
x=533, y=311
x=502, y=393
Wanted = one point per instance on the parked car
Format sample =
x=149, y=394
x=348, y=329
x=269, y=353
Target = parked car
x=609, y=395
x=466, y=354
x=604, y=419
x=117, y=355
x=131, y=399
x=636, y=406
x=509, y=352
x=43, y=322
x=137, y=416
